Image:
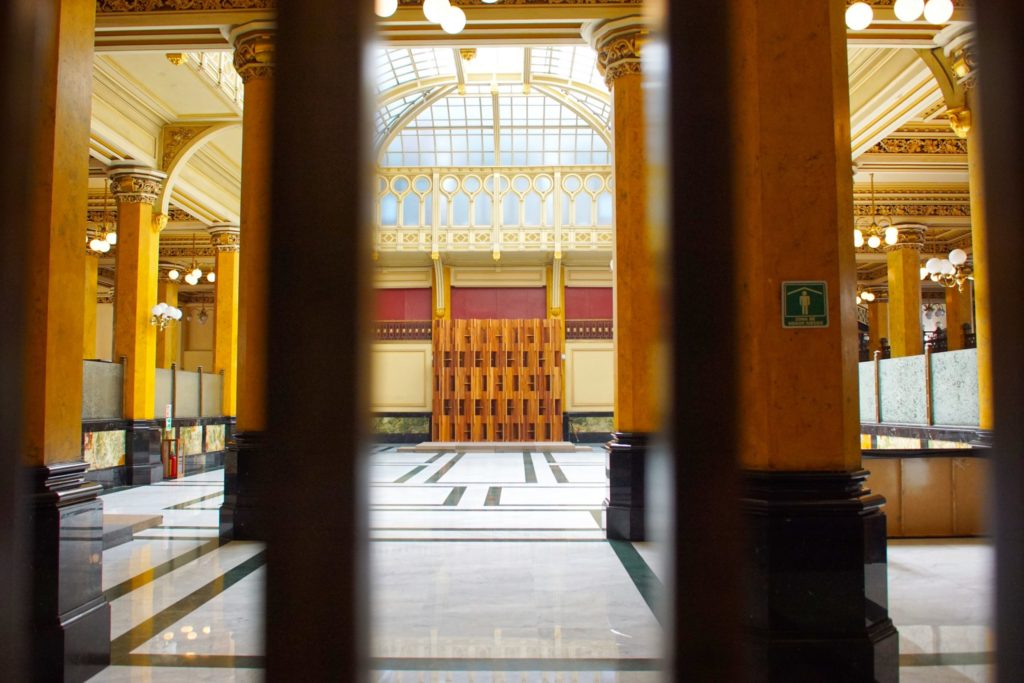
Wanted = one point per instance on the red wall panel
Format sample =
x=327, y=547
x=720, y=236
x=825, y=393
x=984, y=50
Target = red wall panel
x=403, y=304
x=499, y=303
x=588, y=303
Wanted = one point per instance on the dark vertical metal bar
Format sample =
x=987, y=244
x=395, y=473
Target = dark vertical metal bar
x=1000, y=25
x=200, y=371
x=21, y=47
x=320, y=255
x=929, y=405
x=707, y=598
x=878, y=387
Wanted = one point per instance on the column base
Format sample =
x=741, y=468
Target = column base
x=142, y=452
x=818, y=603
x=241, y=515
x=70, y=616
x=627, y=456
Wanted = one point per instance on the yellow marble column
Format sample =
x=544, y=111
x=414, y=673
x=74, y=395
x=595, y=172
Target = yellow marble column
x=904, y=261
x=135, y=188
x=168, y=341
x=92, y=267
x=254, y=61
x=54, y=316
x=555, y=279
x=878, y=318
x=636, y=305
x=225, y=239
x=963, y=122
x=958, y=312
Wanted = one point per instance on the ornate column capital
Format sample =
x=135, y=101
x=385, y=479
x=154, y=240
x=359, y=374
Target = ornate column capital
x=960, y=121
x=911, y=237
x=254, y=49
x=618, y=43
x=881, y=293
x=225, y=237
x=131, y=183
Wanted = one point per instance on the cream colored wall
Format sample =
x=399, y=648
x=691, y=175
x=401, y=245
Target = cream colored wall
x=590, y=376
x=104, y=331
x=196, y=339
x=401, y=377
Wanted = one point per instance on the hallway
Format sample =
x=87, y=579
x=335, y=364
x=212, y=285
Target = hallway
x=486, y=567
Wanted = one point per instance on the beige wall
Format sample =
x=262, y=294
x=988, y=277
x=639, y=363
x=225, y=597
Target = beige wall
x=401, y=377
x=104, y=331
x=589, y=376
x=196, y=339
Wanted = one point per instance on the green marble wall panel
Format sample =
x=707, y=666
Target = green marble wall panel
x=603, y=423
x=900, y=442
x=867, y=391
x=103, y=449
x=414, y=424
x=903, y=390
x=955, y=388
x=102, y=386
x=214, y=438
x=190, y=440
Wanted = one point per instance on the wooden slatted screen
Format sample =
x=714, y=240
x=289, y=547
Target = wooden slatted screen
x=497, y=380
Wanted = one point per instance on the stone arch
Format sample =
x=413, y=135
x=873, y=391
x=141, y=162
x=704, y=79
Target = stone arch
x=175, y=157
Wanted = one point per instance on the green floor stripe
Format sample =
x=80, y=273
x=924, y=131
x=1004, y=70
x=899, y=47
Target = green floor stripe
x=650, y=587
x=493, y=496
x=947, y=659
x=531, y=474
x=150, y=575
x=454, y=497
x=187, y=503
x=410, y=474
x=538, y=665
x=436, y=477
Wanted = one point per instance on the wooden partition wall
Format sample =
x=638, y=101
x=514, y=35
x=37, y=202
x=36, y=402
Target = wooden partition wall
x=497, y=380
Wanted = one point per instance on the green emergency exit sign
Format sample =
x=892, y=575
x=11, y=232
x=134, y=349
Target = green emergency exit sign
x=804, y=304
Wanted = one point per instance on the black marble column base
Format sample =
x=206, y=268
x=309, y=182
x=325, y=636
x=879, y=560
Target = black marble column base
x=625, y=508
x=818, y=592
x=70, y=617
x=241, y=515
x=142, y=452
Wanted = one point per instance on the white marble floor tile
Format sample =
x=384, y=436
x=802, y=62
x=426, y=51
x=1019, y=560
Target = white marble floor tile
x=585, y=474
x=481, y=519
x=131, y=559
x=947, y=674
x=170, y=674
x=553, y=495
x=409, y=495
x=595, y=534
x=545, y=477
x=160, y=532
x=448, y=676
x=492, y=468
x=389, y=473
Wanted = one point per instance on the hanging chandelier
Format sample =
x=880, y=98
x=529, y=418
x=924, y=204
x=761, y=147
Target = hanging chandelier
x=450, y=17
x=194, y=273
x=865, y=296
x=952, y=271
x=876, y=230
x=106, y=228
x=859, y=15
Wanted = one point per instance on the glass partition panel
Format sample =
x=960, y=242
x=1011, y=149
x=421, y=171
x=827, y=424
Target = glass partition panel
x=903, y=390
x=867, y=391
x=955, y=388
x=163, y=392
x=187, y=394
x=102, y=388
x=212, y=387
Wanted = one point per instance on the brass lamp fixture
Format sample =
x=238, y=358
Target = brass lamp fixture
x=163, y=315
x=865, y=297
x=859, y=15
x=194, y=273
x=106, y=227
x=948, y=272
x=877, y=230
x=451, y=17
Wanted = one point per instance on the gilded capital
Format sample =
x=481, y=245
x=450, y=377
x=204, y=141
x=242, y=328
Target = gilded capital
x=618, y=44
x=911, y=237
x=881, y=293
x=254, y=50
x=960, y=120
x=224, y=237
x=134, y=184
x=159, y=222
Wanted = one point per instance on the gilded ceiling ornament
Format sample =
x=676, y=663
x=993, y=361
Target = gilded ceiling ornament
x=159, y=222
x=192, y=297
x=945, y=145
x=915, y=210
x=172, y=251
x=960, y=120
x=111, y=6
x=180, y=215
x=176, y=137
x=254, y=55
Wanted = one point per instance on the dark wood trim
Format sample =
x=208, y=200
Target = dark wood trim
x=971, y=435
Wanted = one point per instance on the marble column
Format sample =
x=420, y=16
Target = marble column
x=637, y=308
x=225, y=239
x=254, y=60
x=959, y=310
x=167, y=341
x=878, y=318
x=70, y=619
x=817, y=601
x=92, y=268
x=135, y=188
x=904, y=266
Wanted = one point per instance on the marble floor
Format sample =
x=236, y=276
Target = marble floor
x=448, y=527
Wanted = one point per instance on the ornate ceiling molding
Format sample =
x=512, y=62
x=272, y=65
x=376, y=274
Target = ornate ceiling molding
x=207, y=298
x=919, y=145
x=175, y=137
x=118, y=6
x=914, y=210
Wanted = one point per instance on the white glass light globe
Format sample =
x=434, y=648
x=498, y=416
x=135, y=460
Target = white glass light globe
x=867, y=296
x=385, y=8
x=157, y=311
x=189, y=279
x=858, y=298
x=874, y=241
x=211, y=276
x=947, y=267
x=436, y=10
x=197, y=273
x=938, y=11
x=859, y=16
x=858, y=238
x=958, y=257
x=94, y=244
x=173, y=275
x=892, y=235
x=111, y=238
x=924, y=272
x=177, y=314
x=455, y=20
x=908, y=10
x=490, y=2
x=104, y=246
x=933, y=265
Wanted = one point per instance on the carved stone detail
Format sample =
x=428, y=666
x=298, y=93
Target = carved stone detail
x=176, y=137
x=893, y=145
x=911, y=237
x=111, y=6
x=135, y=184
x=254, y=55
x=186, y=252
x=960, y=120
x=618, y=45
x=225, y=238
x=159, y=222
x=916, y=210
x=193, y=297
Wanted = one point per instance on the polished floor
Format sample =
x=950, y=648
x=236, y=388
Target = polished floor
x=447, y=529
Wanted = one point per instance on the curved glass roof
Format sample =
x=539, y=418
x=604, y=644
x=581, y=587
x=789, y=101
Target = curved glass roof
x=498, y=106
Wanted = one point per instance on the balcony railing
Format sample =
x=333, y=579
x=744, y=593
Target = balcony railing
x=588, y=329
x=402, y=330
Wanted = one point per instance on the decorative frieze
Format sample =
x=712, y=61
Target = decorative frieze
x=224, y=238
x=915, y=210
x=115, y=6
x=175, y=138
x=254, y=51
x=944, y=145
x=135, y=184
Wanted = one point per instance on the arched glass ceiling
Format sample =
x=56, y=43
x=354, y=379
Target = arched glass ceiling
x=503, y=127
x=421, y=88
